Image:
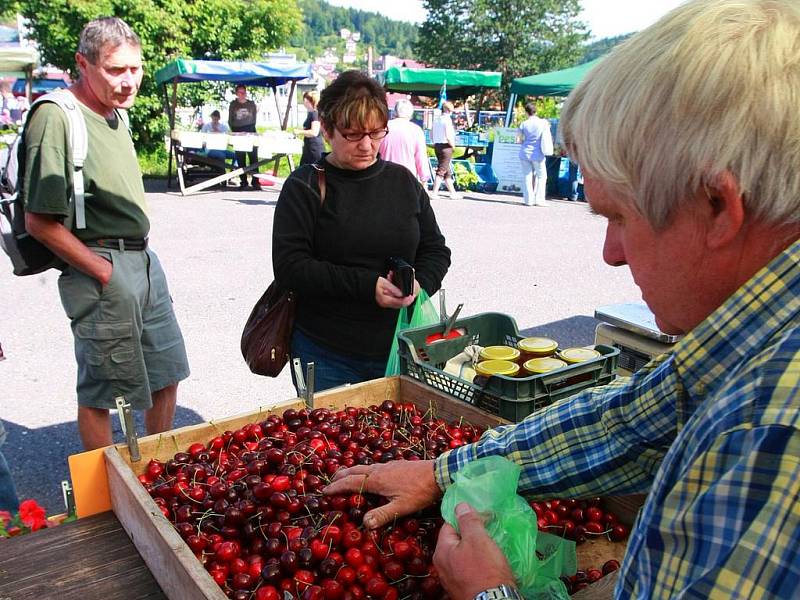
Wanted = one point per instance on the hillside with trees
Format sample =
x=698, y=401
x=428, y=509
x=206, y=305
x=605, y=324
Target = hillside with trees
x=323, y=23
x=596, y=49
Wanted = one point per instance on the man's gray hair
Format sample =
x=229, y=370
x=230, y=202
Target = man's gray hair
x=712, y=87
x=404, y=109
x=111, y=31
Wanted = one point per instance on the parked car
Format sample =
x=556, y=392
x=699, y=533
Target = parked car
x=39, y=87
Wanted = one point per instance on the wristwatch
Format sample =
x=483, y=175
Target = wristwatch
x=501, y=592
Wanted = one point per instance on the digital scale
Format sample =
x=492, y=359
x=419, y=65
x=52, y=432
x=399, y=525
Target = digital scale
x=632, y=328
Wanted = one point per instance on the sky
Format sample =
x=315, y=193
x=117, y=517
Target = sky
x=606, y=18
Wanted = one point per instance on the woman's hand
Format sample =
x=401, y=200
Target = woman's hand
x=388, y=295
x=408, y=485
x=471, y=562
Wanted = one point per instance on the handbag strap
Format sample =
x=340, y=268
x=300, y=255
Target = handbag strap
x=320, y=182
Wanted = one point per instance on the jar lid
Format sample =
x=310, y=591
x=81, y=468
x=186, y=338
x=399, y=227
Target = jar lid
x=499, y=353
x=576, y=355
x=539, y=345
x=544, y=364
x=497, y=367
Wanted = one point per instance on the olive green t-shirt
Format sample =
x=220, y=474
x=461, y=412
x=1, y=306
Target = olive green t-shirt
x=115, y=201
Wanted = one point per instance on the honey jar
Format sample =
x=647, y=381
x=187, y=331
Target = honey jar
x=545, y=364
x=578, y=355
x=500, y=353
x=536, y=347
x=488, y=368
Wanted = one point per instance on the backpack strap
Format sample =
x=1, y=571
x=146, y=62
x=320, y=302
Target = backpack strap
x=79, y=145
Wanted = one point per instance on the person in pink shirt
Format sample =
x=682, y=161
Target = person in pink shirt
x=405, y=143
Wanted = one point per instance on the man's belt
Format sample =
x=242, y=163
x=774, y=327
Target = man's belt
x=121, y=244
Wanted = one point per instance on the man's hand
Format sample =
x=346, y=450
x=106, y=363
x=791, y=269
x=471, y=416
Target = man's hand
x=471, y=562
x=409, y=485
x=61, y=241
x=388, y=295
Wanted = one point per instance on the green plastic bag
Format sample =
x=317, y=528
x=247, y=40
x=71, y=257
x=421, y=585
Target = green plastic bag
x=423, y=313
x=489, y=485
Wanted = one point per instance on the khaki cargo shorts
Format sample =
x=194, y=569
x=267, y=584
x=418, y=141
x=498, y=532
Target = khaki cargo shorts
x=127, y=339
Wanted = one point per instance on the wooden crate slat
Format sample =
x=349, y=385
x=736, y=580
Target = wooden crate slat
x=177, y=570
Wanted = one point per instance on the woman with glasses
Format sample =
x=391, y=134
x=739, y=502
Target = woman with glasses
x=336, y=225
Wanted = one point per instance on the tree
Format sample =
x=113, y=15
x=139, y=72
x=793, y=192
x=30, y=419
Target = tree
x=515, y=37
x=220, y=29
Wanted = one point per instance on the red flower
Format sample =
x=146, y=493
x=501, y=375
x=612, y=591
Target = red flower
x=5, y=517
x=32, y=515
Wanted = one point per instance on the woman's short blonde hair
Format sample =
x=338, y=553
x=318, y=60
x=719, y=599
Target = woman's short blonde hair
x=353, y=100
x=713, y=86
x=312, y=97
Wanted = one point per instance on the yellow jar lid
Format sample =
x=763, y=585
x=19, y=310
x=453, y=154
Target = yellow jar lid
x=576, y=355
x=539, y=345
x=499, y=353
x=544, y=364
x=497, y=367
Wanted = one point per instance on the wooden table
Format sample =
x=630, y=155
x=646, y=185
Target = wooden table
x=88, y=559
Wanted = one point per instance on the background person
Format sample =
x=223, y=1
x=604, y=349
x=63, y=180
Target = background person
x=333, y=254
x=215, y=125
x=405, y=143
x=242, y=114
x=313, y=144
x=8, y=492
x=537, y=144
x=444, y=142
x=700, y=189
x=114, y=291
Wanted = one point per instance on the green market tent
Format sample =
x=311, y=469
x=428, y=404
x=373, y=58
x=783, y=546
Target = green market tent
x=17, y=61
x=428, y=82
x=554, y=83
x=270, y=74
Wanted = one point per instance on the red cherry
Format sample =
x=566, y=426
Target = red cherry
x=618, y=533
x=610, y=566
x=594, y=514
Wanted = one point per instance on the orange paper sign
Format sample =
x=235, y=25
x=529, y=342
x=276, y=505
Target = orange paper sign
x=89, y=482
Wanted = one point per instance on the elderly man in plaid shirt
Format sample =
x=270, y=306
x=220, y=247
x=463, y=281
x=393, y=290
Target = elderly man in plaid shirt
x=689, y=138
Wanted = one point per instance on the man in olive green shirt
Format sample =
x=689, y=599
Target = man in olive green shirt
x=127, y=339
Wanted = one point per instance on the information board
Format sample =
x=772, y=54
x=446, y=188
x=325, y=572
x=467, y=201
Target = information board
x=505, y=161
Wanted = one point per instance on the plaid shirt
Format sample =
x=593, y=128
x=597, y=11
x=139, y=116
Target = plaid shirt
x=709, y=430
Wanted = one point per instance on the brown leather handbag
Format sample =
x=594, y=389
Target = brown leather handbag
x=267, y=334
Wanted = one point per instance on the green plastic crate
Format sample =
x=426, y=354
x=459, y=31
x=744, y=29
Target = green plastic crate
x=512, y=398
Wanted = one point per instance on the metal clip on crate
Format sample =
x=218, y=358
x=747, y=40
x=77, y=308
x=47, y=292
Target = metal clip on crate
x=305, y=385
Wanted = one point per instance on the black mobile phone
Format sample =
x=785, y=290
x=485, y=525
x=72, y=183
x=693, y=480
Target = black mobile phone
x=403, y=275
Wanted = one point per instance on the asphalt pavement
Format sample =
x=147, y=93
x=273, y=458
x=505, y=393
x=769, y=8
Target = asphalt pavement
x=542, y=265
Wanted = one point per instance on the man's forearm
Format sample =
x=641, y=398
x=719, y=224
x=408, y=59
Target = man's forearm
x=67, y=247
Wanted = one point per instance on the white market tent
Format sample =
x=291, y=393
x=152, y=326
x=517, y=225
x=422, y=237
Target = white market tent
x=19, y=61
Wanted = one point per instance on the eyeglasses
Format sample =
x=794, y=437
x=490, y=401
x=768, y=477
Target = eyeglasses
x=378, y=134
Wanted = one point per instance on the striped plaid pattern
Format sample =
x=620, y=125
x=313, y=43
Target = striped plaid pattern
x=710, y=430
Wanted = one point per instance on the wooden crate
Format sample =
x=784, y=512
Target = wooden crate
x=178, y=572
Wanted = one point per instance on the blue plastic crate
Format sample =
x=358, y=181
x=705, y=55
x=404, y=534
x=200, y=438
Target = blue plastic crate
x=487, y=180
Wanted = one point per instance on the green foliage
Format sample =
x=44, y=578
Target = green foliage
x=224, y=29
x=515, y=37
x=153, y=163
x=465, y=179
x=323, y=22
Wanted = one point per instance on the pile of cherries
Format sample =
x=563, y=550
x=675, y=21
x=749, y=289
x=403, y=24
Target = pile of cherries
x=579, y=520
x=249, y=504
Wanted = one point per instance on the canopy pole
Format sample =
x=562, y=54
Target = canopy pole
x=512, y=100
x=284, y=123
x=479, y=106
x=171, y=117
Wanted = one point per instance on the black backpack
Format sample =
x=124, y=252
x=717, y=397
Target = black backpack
x=28, y=255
